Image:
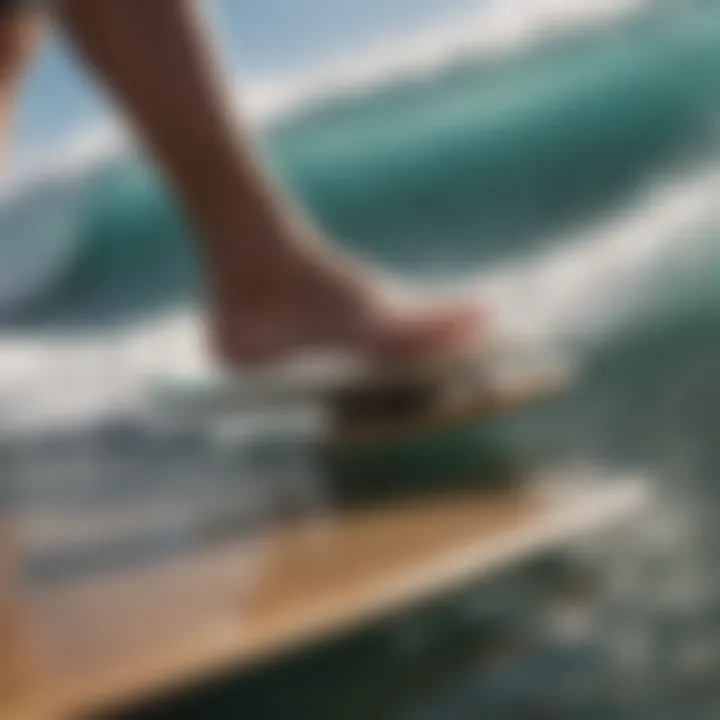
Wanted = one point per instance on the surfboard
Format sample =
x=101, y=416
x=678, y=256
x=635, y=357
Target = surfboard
x=108, y=639
x=365, y=406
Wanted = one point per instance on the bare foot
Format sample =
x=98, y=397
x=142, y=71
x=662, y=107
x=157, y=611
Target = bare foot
x=321, y=302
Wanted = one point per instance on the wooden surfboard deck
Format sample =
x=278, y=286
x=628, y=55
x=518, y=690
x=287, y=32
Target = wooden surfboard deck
x=112, y=638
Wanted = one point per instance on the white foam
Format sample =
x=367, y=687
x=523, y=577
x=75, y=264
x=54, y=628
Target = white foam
x=583, y=291
x=49, y=379
x=495, y=30
x=611, y=276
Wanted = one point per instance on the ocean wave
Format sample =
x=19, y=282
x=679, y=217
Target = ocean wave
x=492, y=167
x=46, y=202
x=494, y=31
x=652, y=266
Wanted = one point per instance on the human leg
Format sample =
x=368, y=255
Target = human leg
x=275, y=285
x=21, y=30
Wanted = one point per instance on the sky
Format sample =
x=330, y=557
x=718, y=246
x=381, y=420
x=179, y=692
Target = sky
x=257, y=38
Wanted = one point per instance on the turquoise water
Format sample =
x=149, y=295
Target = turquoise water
x=574, y=185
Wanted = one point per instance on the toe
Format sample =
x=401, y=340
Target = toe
x=436, y=332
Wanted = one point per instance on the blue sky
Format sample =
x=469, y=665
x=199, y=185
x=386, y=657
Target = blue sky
x=260, y=37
